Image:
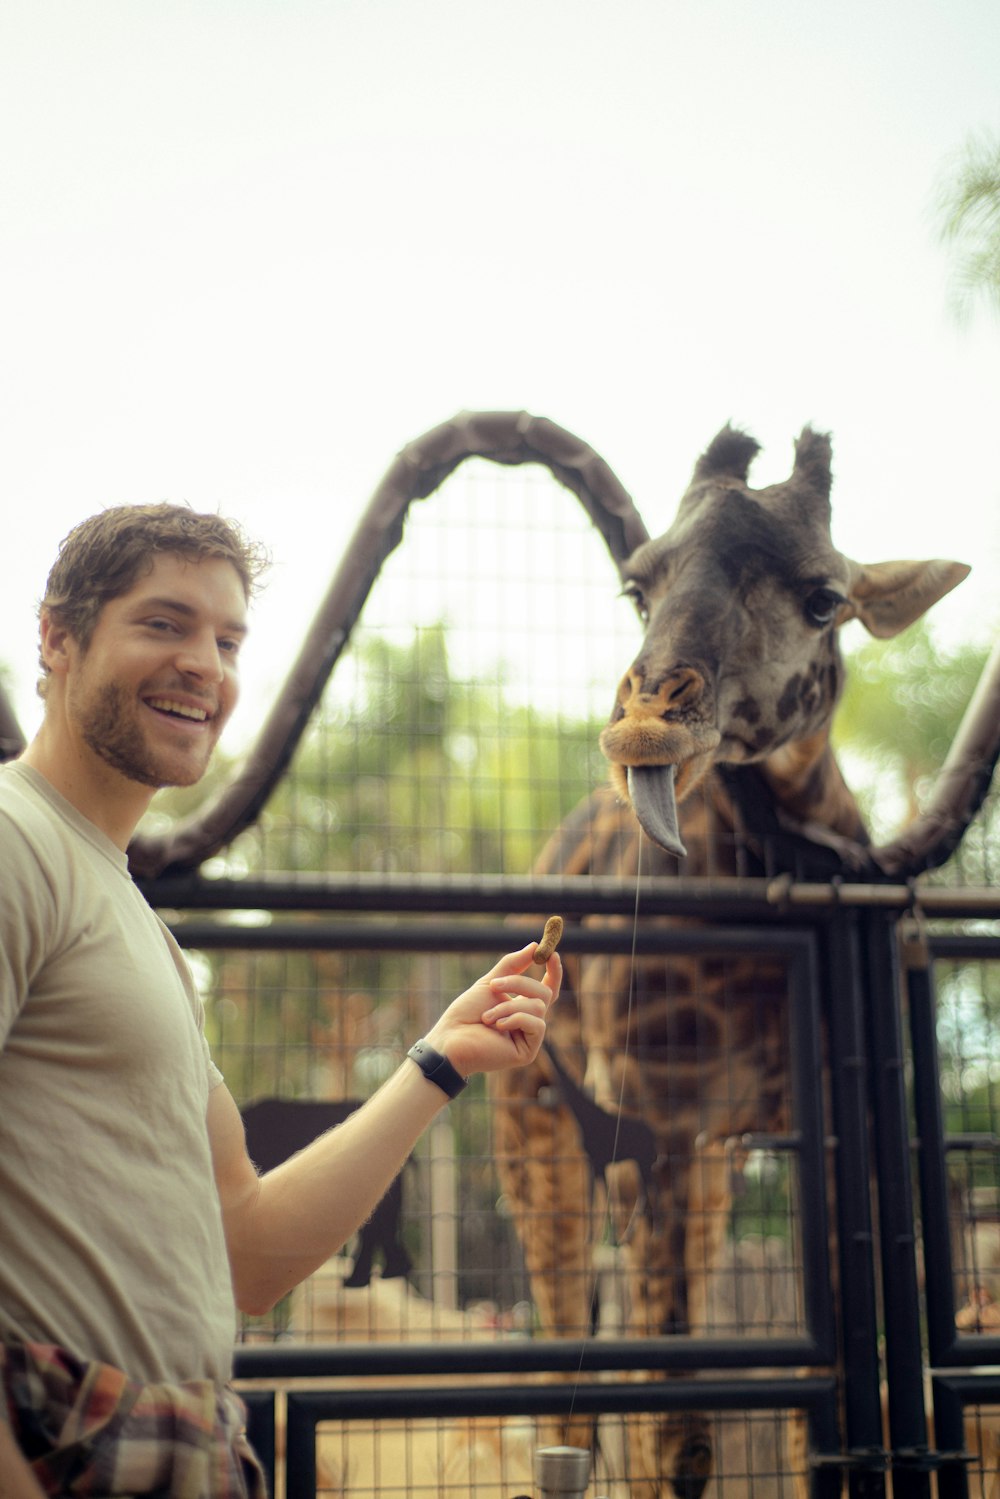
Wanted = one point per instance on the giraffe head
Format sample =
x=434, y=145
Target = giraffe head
x=743, y=599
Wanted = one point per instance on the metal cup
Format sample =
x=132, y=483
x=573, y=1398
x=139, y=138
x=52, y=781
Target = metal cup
x=562, y=1472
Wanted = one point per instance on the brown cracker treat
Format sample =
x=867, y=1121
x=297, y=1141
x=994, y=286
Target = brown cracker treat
x=550, y=939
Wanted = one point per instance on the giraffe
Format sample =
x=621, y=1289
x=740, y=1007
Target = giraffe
x=739, y=673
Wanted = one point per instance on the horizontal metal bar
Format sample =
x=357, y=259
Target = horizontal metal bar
x=972, y=1389
x=987, y=1142
x=432, y=935
x=435, y=934
x=603, y=895
x=755, y=1140
x=882, y=1459
x=972, y=1350
x=312, y=1406
x=982, y=945
x=444, y=934
x=554, y=1355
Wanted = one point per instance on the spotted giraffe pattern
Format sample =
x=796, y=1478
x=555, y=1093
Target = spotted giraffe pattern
x=743, y=598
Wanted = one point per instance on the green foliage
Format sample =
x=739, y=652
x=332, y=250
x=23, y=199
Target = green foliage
x=968, y=213
x=968, y=1007
x=414, y=771
x=905, y=697
x=901, y=707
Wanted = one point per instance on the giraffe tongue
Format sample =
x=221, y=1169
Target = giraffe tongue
x=651, y=788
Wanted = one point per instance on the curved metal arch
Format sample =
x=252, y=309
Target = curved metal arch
x=509, y=437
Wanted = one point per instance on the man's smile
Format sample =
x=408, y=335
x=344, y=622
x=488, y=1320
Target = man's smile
x=172, y=707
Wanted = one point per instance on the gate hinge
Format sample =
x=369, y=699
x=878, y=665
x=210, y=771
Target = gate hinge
x=914, y=947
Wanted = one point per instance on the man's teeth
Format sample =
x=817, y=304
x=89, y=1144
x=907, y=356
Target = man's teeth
x=167, y=705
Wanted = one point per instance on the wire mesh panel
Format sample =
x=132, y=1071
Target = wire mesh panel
x=982, y=1442
x=481, y=1455
x=492, y=1458
x=330, y=1026
x=461, y=723
x=967, y=1410
x=968, y=1038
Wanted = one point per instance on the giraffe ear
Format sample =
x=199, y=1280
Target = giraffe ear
x=888, y=596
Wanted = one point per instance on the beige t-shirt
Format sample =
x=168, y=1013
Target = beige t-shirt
x=111, y=1241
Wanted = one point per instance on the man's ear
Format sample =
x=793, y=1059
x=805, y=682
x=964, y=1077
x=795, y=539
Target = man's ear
x=56, y=644
x=888, y=596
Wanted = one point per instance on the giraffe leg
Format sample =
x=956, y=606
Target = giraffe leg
x=670, y=1455
x=547, y=1183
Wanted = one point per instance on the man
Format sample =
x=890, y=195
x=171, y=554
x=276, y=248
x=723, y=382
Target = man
x=132, y=1222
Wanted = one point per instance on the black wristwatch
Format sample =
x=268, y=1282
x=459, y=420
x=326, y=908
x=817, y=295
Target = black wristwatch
x=437, y=1069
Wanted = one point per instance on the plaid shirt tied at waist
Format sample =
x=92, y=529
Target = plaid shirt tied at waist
x=88, y=1430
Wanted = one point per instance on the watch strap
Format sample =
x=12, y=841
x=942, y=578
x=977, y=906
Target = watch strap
x=437, y=1069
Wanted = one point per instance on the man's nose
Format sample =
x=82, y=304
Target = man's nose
x=199, y=656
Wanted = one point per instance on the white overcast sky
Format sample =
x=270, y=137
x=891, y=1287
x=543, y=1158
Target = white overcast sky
x=252, y=247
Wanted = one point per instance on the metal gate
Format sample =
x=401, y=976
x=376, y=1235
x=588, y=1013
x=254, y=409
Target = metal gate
x=332, y=897
x=888, y=1383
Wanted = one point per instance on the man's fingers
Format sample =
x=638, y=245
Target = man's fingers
x=519, y=977
x=514, y=1005
x=523, y=1020
x=526, y=1032
x=513, y=962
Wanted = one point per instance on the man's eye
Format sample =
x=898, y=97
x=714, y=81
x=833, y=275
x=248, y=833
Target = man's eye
x=230, y=647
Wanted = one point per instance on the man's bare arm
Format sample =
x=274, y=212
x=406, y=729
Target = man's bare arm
x=16, y=1478
x=283, y=1226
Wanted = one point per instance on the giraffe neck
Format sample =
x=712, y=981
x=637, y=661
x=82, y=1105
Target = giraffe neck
x=809, y=787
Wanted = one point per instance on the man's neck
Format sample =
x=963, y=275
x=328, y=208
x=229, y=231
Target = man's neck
x=100, y=793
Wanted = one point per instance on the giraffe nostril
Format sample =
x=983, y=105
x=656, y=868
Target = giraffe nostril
x=683, y=687
x=680, y=687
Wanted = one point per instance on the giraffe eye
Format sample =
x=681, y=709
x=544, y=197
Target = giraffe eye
x=631, y=590
x=822, y=604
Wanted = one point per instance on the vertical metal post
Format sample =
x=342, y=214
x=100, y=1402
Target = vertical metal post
x=933, y=1174
x=261, y=1429
x=949, y=1424
x=808, y=1106
x=852, y=1174
x=900, y=1287
x=300, y=1447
